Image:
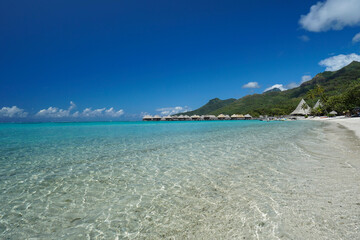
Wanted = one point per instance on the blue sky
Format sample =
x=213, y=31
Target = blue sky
x=121, y=59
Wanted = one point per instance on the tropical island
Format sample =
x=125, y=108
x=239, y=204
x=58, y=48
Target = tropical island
x=338, y=91
x=330, y=94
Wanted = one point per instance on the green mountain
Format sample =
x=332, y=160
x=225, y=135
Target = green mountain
x=335, y=84
x=211, y=106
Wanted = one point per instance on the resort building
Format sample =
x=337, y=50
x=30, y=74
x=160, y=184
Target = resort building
x=210, y=117
x=168, y=118
x=302, y=109
x=318, y=104
x=187, y=118
x=248, y=117
x=195, y=117
x=237, y=117
x=333, y=113
x=156, y=118
x=147, y=118
x=221, y=117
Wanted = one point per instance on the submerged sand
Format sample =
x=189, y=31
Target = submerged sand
x=180, y=180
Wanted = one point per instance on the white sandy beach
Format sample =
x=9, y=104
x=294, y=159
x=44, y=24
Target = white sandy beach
x=352, y=124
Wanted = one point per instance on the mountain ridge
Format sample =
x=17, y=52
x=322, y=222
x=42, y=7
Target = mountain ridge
x=282, y=103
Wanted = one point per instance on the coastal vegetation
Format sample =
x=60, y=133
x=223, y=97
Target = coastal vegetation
x=338, y=90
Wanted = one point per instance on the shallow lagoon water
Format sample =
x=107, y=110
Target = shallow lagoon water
x=179, y=180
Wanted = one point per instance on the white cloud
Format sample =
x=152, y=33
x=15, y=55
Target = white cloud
x=356, y=38
x=101, y=112
x=292, y=85
x=279, y=86
x=336, y=62
x=111, y=112
x=172, y=110
x=304, y=38
x=331, y=14
x=54, y=112
x=11, y=112
x=305, y=78
x=251, y=85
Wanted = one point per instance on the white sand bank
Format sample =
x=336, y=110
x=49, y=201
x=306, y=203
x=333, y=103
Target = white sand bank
x=352, y=124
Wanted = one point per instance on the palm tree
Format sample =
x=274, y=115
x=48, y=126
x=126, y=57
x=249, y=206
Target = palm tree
x=304, y=107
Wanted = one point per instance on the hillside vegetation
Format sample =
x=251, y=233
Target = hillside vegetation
x=336, y=85
x=212, y=106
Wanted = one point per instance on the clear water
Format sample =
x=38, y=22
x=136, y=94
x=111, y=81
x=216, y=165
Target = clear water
x=179, y=180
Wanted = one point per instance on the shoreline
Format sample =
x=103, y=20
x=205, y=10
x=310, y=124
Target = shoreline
x=352, y=124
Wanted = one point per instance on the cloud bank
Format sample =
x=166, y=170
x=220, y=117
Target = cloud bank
x=54, y=112
x=336, y=62
x=12, y=112
x=101, y=112
x=172, y=110
x=251, y=85
x=331, y=14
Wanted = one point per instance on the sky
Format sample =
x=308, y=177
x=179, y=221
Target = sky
x=118, y=60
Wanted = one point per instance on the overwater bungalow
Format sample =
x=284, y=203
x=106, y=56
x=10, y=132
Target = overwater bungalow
x=248, y=117
x=147, y=118
x=181, y=118
x=187, y=118
x=221, y=117
x=156, y=118
x=210, y=117
x=234, y=117
x=237, y=117
x=195, y=117
x=227, y=117
x=168, y=118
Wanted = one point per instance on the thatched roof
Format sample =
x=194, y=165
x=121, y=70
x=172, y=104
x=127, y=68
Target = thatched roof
x=248, y=116
x=237, y=116
x=333, y=113
x=299, y=110
x=147, y=117
x=318, y=104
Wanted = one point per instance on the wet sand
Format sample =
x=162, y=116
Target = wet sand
x=352, y=124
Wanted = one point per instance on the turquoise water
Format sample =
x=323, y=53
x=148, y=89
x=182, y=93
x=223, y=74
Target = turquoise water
x=179, y=180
